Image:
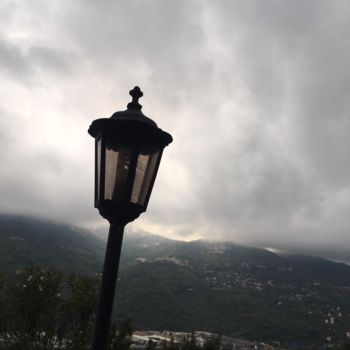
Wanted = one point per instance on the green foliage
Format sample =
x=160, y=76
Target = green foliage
x=3, y=318
x=79, y=310
x=213, y=343
x=190, y=342
x=120, y=335
x=32, y=308
x=36, y=316
x=151, y=345
x=343, y=347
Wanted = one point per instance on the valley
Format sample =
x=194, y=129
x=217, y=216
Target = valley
x=217, y=287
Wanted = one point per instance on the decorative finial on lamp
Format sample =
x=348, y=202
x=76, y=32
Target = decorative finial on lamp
x=135, y=93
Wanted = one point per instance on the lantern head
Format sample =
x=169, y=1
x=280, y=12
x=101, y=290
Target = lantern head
x=128, y=150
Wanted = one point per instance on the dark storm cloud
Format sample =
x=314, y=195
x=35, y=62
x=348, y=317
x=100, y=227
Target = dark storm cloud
x=255, y=94
x=296, y=163
x=148, y=31
x=23, y=64
x=280, y=182
x=12, y=61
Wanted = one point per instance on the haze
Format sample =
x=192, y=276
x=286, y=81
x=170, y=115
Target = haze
x=255, y=94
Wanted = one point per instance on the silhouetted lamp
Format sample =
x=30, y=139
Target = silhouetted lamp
x=128, y=150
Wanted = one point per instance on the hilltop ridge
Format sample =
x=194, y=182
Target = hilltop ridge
x=219, y=287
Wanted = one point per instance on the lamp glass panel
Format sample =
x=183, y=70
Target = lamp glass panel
x=98, y=169
x=140, y=171
x=110, y=172
x=116, y=174
x=145, y=172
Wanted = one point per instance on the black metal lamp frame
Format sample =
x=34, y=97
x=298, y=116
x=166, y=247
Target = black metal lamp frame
x=132, y=129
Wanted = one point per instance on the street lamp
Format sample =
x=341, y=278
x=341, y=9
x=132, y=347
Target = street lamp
x=128, y=150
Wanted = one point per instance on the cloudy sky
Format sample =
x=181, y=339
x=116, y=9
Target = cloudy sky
x=255, y=94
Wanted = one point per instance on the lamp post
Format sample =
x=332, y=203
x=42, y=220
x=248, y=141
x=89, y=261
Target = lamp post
x=128, y=150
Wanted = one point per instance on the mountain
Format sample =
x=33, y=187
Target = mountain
x=26, y=240
x=230, y=289
x=225, y=288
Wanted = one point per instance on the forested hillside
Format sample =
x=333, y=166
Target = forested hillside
x=224, y=288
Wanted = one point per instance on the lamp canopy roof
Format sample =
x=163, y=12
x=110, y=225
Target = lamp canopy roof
x=131, y=125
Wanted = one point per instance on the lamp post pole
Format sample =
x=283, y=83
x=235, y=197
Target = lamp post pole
x=108, y=284
x=128, y=150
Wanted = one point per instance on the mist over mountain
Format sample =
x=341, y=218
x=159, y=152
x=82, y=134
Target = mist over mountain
x=27, y=240
x=221, y=287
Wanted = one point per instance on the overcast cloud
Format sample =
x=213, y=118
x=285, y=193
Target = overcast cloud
x=255, y=94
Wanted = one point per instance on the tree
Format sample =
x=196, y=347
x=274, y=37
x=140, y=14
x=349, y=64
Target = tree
x=213, y=343
x=79, y=311
x=31, y=306
x=190, y=342
x=120, y=336
x=42, y=311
